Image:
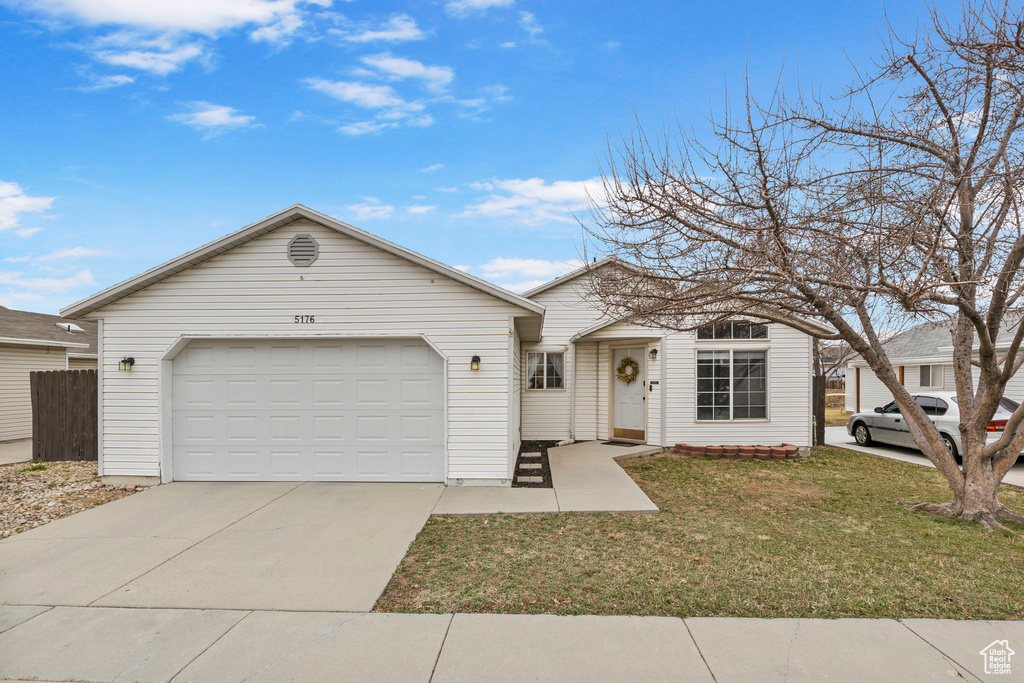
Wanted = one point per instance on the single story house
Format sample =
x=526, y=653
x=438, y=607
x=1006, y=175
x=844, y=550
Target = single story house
x=923, y=359
x=31, y=342
x=302, y=348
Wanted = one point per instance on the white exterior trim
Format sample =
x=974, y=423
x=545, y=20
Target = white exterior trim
x=16, y=341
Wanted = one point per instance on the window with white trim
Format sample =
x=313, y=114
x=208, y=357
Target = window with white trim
x=732, y=385
x=545, y=370
x=733, y=329
x=932, y=377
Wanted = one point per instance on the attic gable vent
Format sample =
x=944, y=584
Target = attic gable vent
x=303, y=250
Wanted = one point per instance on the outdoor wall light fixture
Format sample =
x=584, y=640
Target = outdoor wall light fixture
x=474, y=363
x=653, y=354
x=126, y=364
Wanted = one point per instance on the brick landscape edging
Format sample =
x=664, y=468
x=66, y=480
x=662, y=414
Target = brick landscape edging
x=786, y=451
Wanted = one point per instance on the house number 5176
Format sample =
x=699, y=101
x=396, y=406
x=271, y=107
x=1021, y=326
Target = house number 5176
x=305, y=319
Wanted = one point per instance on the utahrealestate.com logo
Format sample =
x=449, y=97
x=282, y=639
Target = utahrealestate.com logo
x=997, y=657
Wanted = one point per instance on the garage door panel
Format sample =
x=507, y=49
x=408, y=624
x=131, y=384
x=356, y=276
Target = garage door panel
x=308, y=410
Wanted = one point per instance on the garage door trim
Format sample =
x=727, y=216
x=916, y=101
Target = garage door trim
x=166, y=370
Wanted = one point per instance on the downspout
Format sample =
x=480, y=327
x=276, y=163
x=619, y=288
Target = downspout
x=572, y=396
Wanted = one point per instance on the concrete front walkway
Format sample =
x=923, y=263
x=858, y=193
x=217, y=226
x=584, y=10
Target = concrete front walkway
x=224, y=646
x=585, y=477
x=15, y=451
x=246, y=546
x=837, y=436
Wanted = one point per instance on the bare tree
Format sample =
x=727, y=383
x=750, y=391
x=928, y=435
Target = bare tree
x=896, y=201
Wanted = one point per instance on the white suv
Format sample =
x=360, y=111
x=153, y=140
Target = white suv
x=886, y=424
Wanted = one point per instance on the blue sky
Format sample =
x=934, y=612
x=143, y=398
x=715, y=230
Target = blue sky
x=467, y=130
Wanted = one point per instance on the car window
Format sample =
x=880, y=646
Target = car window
x=1008, y=404
x=891, y=408
x=927, y=404
x=941, y=407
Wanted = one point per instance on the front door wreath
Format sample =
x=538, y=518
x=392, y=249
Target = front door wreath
x=628, y=370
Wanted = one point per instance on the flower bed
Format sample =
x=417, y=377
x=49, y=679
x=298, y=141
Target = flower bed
x=785, y=451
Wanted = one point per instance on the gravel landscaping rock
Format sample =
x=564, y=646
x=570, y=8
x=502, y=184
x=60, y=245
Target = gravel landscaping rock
x=31, y=497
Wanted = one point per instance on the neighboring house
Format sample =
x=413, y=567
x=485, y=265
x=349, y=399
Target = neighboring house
x=301, y=348
x=923, y=359
x=31, y=342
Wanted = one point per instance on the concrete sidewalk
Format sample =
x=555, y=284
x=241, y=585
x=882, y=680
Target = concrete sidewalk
x=585, y=477
x=116, y=644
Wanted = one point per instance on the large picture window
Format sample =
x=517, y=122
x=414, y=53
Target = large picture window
x=545, y=370
x=732, y=385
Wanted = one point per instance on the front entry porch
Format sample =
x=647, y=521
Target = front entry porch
x=617, y=388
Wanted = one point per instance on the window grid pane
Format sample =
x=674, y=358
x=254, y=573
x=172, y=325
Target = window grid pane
x=713, y=385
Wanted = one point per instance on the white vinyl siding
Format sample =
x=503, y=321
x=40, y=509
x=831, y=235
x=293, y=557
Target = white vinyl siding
x=546, y=414
x=16, y=362
x=81, y=363
x=353, y=289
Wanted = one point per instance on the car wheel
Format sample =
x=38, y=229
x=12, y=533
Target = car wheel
x=862, y=435
x=951, y=445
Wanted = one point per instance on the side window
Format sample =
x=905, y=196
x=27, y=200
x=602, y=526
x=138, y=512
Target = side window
x=927, y=404
x=941, y=407
x=892, y=408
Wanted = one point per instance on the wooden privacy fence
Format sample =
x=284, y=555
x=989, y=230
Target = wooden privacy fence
x=64, y=418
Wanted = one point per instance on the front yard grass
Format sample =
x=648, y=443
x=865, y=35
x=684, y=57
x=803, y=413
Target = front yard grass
x=829, y=536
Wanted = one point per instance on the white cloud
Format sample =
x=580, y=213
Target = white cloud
x=508, y=45
x=395, y=111
x=161, y=55
x=612, y=45
x=433, y=168
x=362, y=95
x=487, y=97
x=533, y=29
x=502, y=268
x=106, y=82
x=161, y=36
x=195, y=16
x=399, y=28
x=419, y=209
x=461, y=8
x=447, y=189
x=67, y=254
x=519, y=274
x=534, y=200
x=370, y=209
x=36, y=286
x=14, y=203
x=212, y=118
x=435, y=78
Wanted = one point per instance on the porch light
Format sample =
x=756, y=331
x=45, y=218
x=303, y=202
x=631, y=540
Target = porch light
x=126, y=364
x=474, y=363
x=653, y=354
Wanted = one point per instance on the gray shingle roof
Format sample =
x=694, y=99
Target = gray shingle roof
x=932, y=339
x=41, y=327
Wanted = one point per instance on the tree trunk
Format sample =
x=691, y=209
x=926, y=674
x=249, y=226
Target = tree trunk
x=978, y=502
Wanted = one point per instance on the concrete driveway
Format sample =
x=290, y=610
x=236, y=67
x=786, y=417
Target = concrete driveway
x=232, y=546
x=837, y=436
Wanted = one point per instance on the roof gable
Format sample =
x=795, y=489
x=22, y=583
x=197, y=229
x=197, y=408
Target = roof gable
x=269, y=224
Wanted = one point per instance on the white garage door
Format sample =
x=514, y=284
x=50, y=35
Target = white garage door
x=328, y=410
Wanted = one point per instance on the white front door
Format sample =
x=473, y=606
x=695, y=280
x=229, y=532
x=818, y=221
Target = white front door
x=629, y=416
x=317, y=410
